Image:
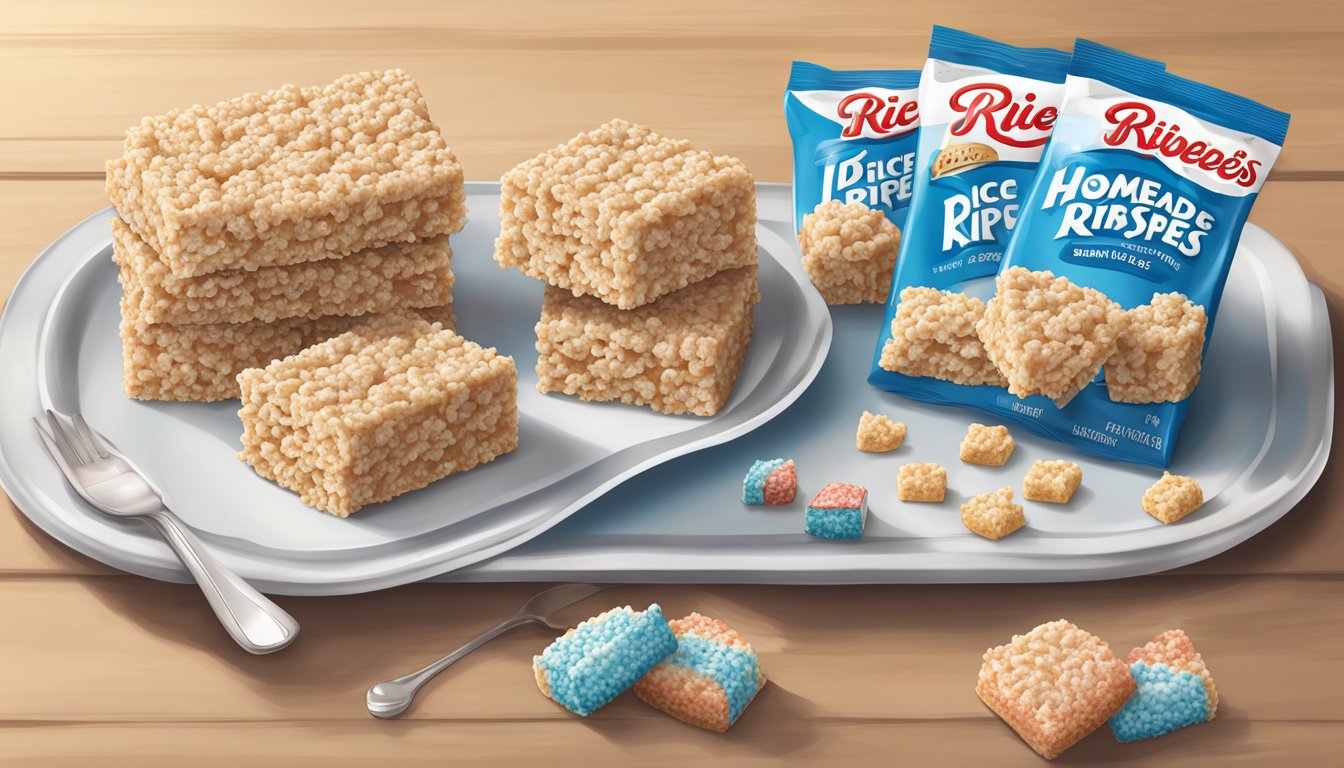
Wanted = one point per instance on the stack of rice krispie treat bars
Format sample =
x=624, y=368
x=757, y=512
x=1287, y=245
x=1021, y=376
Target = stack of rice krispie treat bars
x=256, y=227
x=648, y=250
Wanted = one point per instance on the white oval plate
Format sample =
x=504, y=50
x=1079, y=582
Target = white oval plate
x=59, y=347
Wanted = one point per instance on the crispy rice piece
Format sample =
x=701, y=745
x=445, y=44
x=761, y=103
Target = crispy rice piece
x=711, y=678
x=849, y=252
x=933, y=334
x=1159, y=356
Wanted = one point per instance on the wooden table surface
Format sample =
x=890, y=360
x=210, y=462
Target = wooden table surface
x=97, y=667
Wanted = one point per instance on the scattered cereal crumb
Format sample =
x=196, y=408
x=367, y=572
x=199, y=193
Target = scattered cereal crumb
x=878, y=434
x=849, y=251
x=710, y=679
x=773, y=482
x=993, y=515
x=1158, y=357
x=593, y=663
x=921, y=482
x=1173, y=497
x=1175, y=689
x=933, y=334
x=838, y=511
x=1052, y=481
x=989, y=446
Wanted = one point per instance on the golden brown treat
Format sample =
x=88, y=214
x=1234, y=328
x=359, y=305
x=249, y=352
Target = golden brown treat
x=1047, y=335
x=921, y=482
x=849, y=251
x=1054, y=685
x=626, y=215
x=1173, y=497
x=993, y=515
x=680, y=354
x=878, y=434
x=1052, y=481
x=1158, y=357
x=201, y=363
x=387, y=407
x=289, y=175
x=396, y=276
x=933, y=334
x=989, y=446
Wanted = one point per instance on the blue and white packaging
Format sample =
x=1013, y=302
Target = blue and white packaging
x=853, y=138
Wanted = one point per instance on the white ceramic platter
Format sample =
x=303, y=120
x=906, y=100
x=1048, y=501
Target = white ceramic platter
x=59, y=347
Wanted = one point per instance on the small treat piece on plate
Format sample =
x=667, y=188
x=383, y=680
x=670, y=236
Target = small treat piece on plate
x=388, y=407
x=1054, y=685
x=1172, y=498
x=626, y=215
x=921, y=482
x=201, y=362
x=595, y=662
x=395, y=276
x=1175, y=689
x=709, y=680
x=1158, y=357
x=878, y=434
x=989, y=446
x=849, y=251
x=838, y=511
x=1048, y=335
x=993, y=515
x=772, y=482
x=1052, y=481
x=680, y=354
x=289, y=175
x=933, y=334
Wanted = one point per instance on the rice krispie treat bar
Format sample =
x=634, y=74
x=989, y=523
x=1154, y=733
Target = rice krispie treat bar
x=626, y=215
x=1054, y=685
x=878, y=433
x=838, y=511
x=1048, y=335
x=1173, y=497
x=772, y=482
x=593, y=663
x=388, y=407
x=987, y=445
x=1175, y=689
x=289, y=175
x=933, y=334
x=395, y=276
x=1052, y=481
x=849, y=251
x=201, y=363
x=1159, y=355
x=680, y=354
x=993, y=515
x=921, y=482
x=709, y=680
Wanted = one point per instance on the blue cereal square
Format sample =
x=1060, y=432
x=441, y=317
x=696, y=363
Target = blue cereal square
x=1175, y=689
x=838, y=511
x=594, y=662
x=773, y=482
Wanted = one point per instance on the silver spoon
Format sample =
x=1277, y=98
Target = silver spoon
x=391, y=697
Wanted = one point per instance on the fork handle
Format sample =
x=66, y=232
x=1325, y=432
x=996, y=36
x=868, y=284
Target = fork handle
x=255, y=623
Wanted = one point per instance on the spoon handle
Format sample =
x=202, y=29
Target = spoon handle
x=409, y=685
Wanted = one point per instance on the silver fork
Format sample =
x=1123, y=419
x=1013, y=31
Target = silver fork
x=108, y=481
x=391, y=697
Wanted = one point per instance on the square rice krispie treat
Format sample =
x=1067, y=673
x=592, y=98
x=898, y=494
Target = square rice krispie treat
x=989, y=446
x=771, y=482
x=878, y=433
x=1054, y=685
x=933, y=334
x=993, y=515
x=1173, y=497
x=1158, y=357
x=388, y=407
x=1175, y=689
x=395, y=276
x=921, y=482
x=849, y=251
x=709, y=680
x=1052, y=481
x=1048, y=335
x=838, y=511
x=626, y=215
x=595, y=662
x=680, y=354
x=289, y=175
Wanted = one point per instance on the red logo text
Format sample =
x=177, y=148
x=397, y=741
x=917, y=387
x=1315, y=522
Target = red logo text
x=1136, y=124
x=992, y=107
x=884, y=116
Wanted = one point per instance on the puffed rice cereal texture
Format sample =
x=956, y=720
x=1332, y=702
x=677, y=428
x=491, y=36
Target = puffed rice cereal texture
x=289, y=175
x=386, y=408
x=1052, y=481
x=595, y=662
x=1173, y=497
x=878, y=433
x=993, y=515
x=987, y=445
x=921, y=482
x=1175, y=689
x=1054, y=685
x=1158, y=357
x=849, y=252
x=933, y=334
x=709, y=680
x=1047, y=335
x=680, y=354
x=626, y=215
